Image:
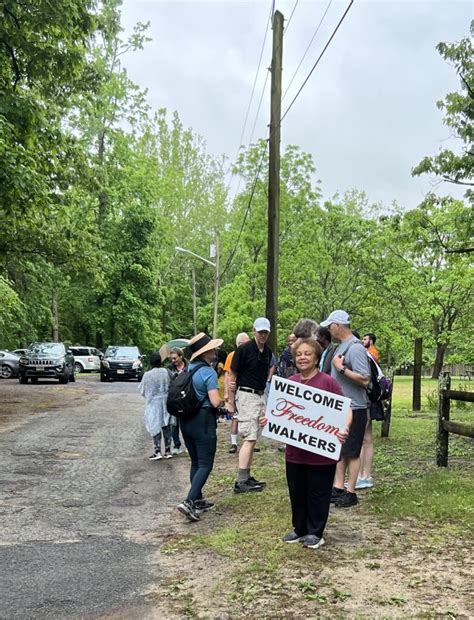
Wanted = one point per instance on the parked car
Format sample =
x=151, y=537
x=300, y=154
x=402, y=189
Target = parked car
x=86, y=359
x=9, y=363
x=20, y=352
x=47, y=360
x=121, y=363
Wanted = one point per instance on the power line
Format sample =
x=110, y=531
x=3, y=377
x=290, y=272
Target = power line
x=247, y=210
x=317, y=61
x=255, y=80
x=289, y=20
x=307, y=49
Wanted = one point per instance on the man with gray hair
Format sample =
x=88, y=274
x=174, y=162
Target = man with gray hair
x=241, y=338
x=350, y=368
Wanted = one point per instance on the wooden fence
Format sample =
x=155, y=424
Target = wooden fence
x=445, y=425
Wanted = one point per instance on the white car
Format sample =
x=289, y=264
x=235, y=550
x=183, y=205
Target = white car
x=86, y=359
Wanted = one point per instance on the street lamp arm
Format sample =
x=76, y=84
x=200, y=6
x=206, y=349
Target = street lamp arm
x=178, y=249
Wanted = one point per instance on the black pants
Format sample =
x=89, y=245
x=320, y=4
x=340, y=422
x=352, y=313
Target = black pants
x=200, y=438
x=310, y=488
x=166, y=430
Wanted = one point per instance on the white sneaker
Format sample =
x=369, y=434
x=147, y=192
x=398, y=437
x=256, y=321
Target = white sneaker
x=364, y=483
x=155, y=457
x=168, y=455
x=176, y=451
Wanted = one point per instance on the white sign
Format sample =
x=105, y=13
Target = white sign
x=306, y=417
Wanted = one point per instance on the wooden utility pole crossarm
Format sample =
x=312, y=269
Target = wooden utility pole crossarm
x=274, y=180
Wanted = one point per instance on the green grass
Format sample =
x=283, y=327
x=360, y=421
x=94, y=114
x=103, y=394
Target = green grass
x=438, y=501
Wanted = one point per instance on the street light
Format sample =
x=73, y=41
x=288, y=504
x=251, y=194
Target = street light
x=216, y=283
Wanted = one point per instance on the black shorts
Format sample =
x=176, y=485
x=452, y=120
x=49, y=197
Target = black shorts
x=353, y=444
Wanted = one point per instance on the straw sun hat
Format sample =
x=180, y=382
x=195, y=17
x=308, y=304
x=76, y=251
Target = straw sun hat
x=201, y=343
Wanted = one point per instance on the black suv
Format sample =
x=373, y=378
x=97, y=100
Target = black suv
x=47, y=360
x=121, y=363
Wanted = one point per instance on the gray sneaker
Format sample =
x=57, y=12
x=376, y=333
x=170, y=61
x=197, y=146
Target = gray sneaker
x=292, y=537
x=310, y=541
x=187, y=509
x=246, y=487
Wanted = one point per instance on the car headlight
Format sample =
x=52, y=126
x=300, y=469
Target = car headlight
x=105, y=363
x=24, y=360
x=136, y=365
x=58, y=362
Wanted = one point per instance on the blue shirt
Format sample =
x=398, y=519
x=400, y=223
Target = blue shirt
x=204, y=379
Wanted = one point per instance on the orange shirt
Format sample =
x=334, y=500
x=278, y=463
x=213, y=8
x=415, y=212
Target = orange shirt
x=228, y=361
x=374, y=353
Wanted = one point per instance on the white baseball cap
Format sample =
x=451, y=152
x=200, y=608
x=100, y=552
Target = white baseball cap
x=337, y=316
x=261, y=324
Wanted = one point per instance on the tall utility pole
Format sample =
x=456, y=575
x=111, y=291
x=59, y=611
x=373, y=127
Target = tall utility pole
x=274, y=180
x=216, y=288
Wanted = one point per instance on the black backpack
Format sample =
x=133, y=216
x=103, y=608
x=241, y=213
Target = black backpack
x=379, y=387
x=182, y=401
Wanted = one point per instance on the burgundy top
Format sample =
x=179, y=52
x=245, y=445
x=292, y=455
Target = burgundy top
x=298, y=455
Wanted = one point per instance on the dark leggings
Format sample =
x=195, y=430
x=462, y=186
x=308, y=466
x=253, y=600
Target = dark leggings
x=200, y=438
x=310, y=488
x=166, y=430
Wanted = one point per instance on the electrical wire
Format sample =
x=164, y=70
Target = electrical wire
x=254, y=83
x=307, y=49
x=247, y=211
x=289, y=20
x=317, y=61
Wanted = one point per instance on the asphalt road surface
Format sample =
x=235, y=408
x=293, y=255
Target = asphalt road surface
x=82, y=509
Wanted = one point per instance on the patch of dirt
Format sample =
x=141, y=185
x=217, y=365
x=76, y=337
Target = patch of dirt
x=19, y=403
x=365, y=571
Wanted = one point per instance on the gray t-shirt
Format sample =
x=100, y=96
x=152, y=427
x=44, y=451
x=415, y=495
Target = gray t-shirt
x=355, y=358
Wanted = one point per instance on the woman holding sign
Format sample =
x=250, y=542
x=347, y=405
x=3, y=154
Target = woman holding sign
x=310, y=476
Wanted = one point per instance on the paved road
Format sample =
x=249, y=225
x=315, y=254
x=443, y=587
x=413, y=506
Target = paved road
x=81, y=508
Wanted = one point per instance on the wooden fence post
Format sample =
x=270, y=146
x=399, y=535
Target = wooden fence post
x=442, y=441
x=388, y=411
x=417, y=368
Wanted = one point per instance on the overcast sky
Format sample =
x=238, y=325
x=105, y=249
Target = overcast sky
x=367, y=115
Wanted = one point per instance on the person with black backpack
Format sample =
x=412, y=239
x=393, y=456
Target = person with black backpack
x=193, y=397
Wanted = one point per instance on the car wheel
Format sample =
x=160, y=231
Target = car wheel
x=6, y=372
x=34, y=379
x=64, y=378
x=78, y=368
x=23, y=379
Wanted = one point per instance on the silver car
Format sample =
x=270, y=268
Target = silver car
x=8, y=364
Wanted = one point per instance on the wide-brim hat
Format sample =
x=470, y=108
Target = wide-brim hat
x=201, y=343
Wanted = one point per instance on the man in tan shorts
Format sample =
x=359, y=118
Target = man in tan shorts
x=249, y=372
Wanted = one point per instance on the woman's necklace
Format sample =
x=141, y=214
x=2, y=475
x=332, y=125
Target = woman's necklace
x=306, y=379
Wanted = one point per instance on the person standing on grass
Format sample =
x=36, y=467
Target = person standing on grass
x=310, y=476
x=199, y=433
x=365, y=480
x=241, y=338
x=286, y=366
x=154, y=389
x=178, y=364
x=350, y=368
x=369, y=341
x=249, y=373
x=325, y=340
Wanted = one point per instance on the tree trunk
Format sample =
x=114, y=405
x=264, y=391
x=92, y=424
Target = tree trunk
x=55, y=315
x=438, y=365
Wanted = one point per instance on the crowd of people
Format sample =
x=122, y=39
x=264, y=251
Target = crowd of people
x=328, y=356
